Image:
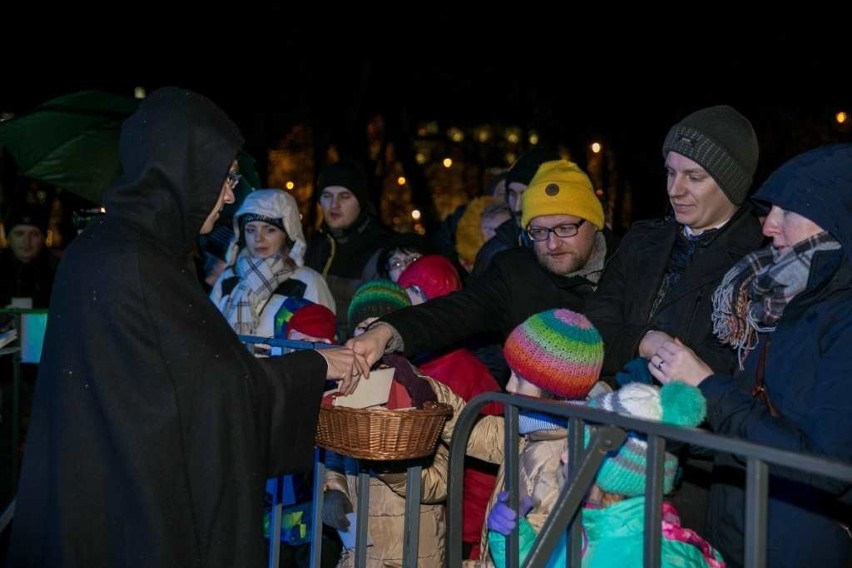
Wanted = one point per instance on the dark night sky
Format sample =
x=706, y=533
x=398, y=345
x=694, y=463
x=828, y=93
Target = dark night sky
x=571, y=76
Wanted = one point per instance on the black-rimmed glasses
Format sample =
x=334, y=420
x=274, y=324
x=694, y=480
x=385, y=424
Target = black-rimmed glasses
x=564, y=231
x=234, y=178
x=402, y=263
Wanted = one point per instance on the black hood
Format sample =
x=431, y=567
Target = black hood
x=175, y=152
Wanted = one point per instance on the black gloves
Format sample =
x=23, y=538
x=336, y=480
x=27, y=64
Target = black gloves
x=418, y=388
x=335, y=506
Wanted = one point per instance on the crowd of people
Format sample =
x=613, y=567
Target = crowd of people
x=154, y=429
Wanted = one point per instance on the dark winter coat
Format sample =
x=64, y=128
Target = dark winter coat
x=153, y=429
x=621, y=306
x=808, y=376
x=515, y=287
x=347, y=260
x=33, y=279
x=505, y=238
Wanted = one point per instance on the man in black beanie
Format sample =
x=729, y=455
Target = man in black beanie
x=659, y=284
x=27, y=267
x=345, y=248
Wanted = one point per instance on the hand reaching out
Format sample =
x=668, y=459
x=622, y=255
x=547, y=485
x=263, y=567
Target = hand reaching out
x=346, y=366
x=372, y=343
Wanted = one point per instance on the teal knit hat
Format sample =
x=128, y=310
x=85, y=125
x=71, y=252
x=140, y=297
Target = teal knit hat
x=376, y=298
x=623, y=472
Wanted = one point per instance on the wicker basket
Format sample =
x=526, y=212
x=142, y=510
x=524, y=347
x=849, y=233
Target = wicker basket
x=381, y=434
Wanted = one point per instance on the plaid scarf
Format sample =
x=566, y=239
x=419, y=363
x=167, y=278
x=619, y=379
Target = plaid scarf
x=259, y=278
x=754, y=293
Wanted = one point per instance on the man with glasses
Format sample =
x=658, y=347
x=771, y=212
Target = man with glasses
x=508, y=233
x=563, y=220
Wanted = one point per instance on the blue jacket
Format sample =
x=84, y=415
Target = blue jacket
x=808, y=376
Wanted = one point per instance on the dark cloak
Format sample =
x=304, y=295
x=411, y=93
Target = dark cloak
x=153, y=430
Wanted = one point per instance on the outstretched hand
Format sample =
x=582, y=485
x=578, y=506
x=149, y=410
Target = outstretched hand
x=346, y=366
x=502, y=518
x=372, y=343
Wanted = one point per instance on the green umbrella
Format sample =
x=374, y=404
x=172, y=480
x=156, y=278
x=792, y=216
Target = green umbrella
x=71, y=141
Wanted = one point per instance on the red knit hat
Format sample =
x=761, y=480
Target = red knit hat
x=433, y=274
x=315, y=320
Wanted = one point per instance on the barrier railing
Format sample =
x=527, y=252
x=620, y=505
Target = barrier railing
x=609, y=432
x=25, y=349
x=275, y=348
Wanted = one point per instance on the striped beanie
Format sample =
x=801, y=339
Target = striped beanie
x=559, y=351
x=623, y=472
x=376, y=298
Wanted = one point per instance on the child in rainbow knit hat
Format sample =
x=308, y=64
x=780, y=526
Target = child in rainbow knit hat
x=613, y=518
x=555, y=354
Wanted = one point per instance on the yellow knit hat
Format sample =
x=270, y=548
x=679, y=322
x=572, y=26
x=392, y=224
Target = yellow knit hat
x=561, y=188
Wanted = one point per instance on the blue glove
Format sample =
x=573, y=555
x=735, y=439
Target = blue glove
x=502, y=518
x=635, y=371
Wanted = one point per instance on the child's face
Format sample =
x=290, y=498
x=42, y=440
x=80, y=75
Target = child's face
x=297, y=335
x=519, y=385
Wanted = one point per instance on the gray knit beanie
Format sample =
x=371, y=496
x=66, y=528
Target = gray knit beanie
x=723, y=142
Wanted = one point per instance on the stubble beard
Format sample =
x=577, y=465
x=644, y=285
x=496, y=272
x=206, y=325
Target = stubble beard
x=564, y=264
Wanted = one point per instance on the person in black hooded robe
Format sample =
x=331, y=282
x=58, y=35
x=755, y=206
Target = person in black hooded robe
x=153, y=429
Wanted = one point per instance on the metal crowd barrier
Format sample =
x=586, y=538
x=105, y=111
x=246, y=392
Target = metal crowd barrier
x=412, y=497
x=610, y=431
x=280, y=347
x=25, y=349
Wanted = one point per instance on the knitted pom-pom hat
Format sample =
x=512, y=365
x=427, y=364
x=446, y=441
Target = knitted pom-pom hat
x=314, y=320
x=376, y=298
x=623, y=472
x=558, y=350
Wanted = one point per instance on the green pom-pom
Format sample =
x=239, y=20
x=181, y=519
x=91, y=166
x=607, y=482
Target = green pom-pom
x=683, y=404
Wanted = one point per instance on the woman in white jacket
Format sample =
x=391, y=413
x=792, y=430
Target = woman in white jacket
x=269, y=268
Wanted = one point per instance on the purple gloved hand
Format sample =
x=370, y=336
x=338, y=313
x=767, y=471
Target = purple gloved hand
x=502, y=518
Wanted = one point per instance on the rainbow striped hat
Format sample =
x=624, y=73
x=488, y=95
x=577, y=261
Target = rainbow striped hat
x=558, y=350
